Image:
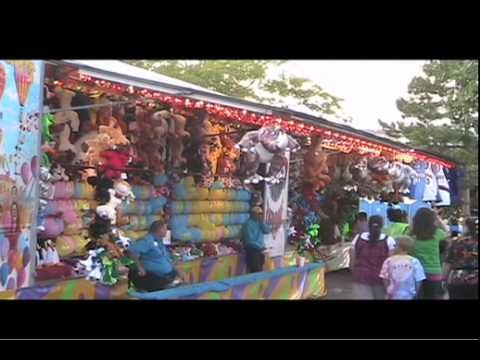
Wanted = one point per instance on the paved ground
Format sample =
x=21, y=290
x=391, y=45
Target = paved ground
x=339, y=285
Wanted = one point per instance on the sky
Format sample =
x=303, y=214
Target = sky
x=369, y=88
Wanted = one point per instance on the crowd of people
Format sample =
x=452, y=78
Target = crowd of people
x=417, y=260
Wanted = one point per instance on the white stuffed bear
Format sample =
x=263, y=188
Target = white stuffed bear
x=108, y=211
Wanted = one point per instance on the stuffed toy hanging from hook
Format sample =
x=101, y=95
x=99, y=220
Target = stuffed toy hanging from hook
x=267, y=145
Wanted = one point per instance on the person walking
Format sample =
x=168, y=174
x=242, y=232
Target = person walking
x=429, y=234
x=361, y=224
x=402, y=274
x=369, y=252
x=461, y=264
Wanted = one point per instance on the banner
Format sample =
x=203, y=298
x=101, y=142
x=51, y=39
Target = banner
x=21, y=102
x=276, y=206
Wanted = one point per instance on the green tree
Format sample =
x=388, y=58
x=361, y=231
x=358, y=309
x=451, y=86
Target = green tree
x=441, y=114
x=250, y=80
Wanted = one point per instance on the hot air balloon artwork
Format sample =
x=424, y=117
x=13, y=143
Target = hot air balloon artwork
x=3, y=80
x=24, y=74
x=24, y=71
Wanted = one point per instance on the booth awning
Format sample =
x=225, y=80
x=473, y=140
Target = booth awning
x=121, y=72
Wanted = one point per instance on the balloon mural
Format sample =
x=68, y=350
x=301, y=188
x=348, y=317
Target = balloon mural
x=24, y=71
x=3, y=80
x=19, y=187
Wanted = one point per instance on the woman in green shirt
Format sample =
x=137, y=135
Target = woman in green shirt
x=398, y=226
x=429, y=234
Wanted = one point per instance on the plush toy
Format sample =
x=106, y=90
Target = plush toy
x=339, y=164
x=160, y=125
x=123, y=190
x=118, y=113
x=121, y=240
x=262, y=146
x=165, y=124
x=197, y=150
x=68, y=116
x=105, y=114
x=58, y=174
x=97, y=145
x=102, y=185
x=216, y=147
x=109, y=210
x=177, y=126
x=177, y=147
x=81, y=146
x=113, y=251
x=46, y=253
x=316, y=167
x=228, y=157
x=379, y=172
x=115, y=134
x=79, y=100
x=114, y=163
x=99, y=227
x=151, y=139
x=177, y=136
x=403, y=177
x=65, y=121
x=90, y=264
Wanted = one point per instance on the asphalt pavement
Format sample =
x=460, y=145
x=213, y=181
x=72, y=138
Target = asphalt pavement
x=339, y=285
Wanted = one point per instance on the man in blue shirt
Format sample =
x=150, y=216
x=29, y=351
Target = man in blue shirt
x=253, y=232
x=154, y=268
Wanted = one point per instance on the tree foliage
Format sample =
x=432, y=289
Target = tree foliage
x=441, y=112
x=250, y=80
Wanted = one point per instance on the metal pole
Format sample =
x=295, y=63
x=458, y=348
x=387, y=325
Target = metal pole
x=90, y=106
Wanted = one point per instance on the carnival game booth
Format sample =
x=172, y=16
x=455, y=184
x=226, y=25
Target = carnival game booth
x=122, y=147
x=113, y=153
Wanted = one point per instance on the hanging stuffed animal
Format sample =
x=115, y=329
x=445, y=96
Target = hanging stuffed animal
x=444, y=197
x=216, y=146
x=123, y=191
x=102, y=184
x=113, y=163
x=84, y=100
x=316, y=172
x=177, y=136
x=379, y=172
x=46, y=194
x=228, y=157
x=104, y=114
x=106, y=139
x=65, y=121
x=158, y=140
x=108, y=211
x=58, y=174
x=403, y=177
x=261, y=146
x=197, y=151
